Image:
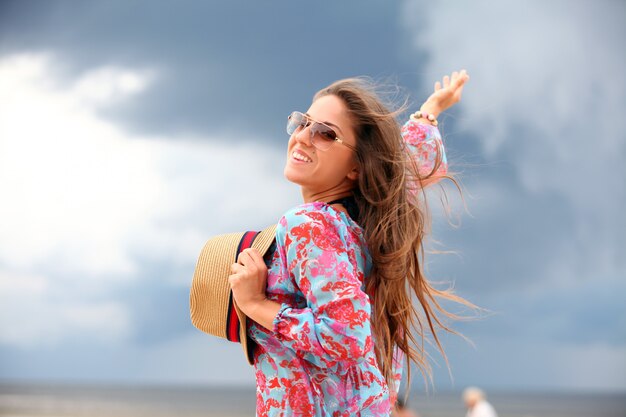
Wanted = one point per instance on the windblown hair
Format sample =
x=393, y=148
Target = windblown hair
x=395, y=222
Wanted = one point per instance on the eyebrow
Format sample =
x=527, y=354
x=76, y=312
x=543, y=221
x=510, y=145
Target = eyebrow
x=327, y=123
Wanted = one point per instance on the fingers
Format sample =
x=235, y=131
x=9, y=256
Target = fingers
x=236, y=268
x=251, y=258
x=456, y=80
x=249, y=261
x=460, y=79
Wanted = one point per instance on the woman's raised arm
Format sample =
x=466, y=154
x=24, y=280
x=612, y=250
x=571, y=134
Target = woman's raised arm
x=421, y=134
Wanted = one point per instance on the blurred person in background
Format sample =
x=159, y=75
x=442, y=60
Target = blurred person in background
x=476, y=403
x=403, y=410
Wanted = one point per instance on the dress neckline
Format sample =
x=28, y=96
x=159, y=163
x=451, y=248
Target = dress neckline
x=350, y=205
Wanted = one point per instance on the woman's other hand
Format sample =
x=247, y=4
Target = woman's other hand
x=446, y=94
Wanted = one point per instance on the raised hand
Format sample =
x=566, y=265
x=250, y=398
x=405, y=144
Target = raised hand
x=446, y=94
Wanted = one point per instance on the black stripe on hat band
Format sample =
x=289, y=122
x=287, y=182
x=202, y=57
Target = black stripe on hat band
x=233, y=326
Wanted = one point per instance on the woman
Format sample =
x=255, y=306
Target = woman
x=332, y=316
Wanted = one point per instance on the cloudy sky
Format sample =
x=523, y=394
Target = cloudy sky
x=124, y=127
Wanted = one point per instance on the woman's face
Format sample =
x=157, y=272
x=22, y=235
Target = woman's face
x=324, y=173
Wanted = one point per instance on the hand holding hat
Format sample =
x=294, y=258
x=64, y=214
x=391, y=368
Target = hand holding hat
x=248, y=279
x=248, y=282
x=213, y=308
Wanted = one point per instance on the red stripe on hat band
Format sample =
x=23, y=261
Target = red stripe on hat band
x=246, y=242
x=232, y=323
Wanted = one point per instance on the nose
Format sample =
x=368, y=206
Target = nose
x=304, y=136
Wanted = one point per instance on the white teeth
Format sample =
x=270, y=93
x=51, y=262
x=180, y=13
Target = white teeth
x=301, y=157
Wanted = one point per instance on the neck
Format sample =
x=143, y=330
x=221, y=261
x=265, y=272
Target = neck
x=326, y=196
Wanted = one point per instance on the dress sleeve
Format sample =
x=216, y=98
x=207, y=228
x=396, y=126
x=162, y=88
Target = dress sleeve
x=333, y=330
x=423, y=142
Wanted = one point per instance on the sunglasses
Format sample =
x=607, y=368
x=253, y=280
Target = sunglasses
x=322, y=136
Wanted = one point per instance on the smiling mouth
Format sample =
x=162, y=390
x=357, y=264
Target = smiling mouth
x=300, y=157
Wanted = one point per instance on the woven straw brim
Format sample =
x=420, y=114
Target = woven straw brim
x=210, y=290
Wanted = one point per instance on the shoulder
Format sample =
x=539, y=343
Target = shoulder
x=312, y=222
x=484, y=408
x=315, y=212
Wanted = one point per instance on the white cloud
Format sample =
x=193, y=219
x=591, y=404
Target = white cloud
x=85, y=205
x=554, y=70
x=73, y=185
x=109, y=84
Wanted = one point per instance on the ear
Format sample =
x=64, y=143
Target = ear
x=354, y=173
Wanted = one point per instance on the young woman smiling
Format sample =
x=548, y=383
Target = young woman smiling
x=331, y=310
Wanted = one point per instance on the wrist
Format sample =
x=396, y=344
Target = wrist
x=425, y=117
x=263, y=312
x=249, y=307
x=431, y=108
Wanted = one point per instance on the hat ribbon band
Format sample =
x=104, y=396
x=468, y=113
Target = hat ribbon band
x=232, y=322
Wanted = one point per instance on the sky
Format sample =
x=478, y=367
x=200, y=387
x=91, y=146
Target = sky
x=124, y=127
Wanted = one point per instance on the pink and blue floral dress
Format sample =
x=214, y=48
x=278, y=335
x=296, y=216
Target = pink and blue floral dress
x=319, y=358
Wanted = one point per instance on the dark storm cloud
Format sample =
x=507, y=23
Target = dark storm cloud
x=518, y=259
x=224, y=66
x=519, y=256
x=508, y=234
x=510, y=246
x=580, y=316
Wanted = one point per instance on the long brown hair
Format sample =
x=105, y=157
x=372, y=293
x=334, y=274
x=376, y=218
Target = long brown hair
x=395, y=223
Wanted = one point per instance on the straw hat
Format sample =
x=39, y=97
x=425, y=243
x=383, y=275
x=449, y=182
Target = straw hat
x=213, y=309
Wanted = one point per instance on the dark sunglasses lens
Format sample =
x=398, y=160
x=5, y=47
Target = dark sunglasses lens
x=324, y=132
x=322, y=136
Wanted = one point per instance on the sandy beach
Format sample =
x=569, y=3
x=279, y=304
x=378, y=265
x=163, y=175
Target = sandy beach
x=38, y=400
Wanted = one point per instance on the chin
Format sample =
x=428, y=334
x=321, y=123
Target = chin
x=292, y=176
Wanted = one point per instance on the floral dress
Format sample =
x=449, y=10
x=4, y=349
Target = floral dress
x=319, y=360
